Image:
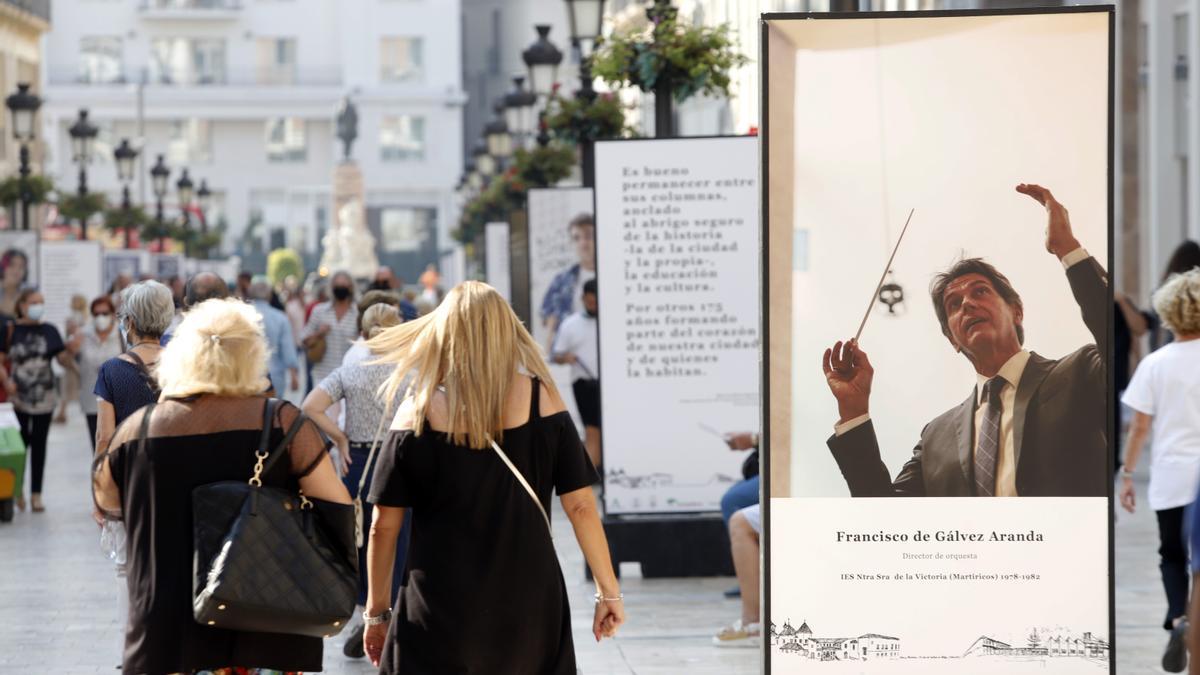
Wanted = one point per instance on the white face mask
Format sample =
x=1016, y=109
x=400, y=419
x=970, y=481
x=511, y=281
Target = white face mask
x=103, y=322
x=36, y=312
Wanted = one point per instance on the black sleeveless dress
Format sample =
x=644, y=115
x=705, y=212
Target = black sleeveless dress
x=485, y=594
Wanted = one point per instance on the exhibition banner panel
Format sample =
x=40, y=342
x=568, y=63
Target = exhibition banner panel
x=938, y=313
x=69, y=268
x=496, y=259
x=677, y=231
x=562, y=257
x=167, y=265
x=132, y=263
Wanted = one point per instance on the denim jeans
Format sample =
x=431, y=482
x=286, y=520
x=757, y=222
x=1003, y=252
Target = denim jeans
x=358, y=460
x=742, y=494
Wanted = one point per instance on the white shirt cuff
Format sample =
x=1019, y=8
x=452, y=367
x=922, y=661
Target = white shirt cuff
x=1073, y=257
x=839, y=429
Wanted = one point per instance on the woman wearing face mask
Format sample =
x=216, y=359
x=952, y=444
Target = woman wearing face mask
x=335, y=322
x=30, y=344
x=95, y=343
x=124, y=383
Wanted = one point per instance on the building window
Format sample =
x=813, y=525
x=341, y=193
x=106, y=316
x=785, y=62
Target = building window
x=187, y=61
x=405, y=230
x=286, y=140
x=100, y=59
x=190, y=143
x=402, y=137
x=401, y=59
x=277, y=60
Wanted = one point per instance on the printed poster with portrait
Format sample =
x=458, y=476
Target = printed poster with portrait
x=562, y=257
x=937, y=421
x=19, y=267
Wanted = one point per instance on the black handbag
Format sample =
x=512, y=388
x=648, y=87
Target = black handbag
x=270, y=561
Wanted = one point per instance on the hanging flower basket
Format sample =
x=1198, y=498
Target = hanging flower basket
x=689, y=60
x=536, y=168
x=577, y=120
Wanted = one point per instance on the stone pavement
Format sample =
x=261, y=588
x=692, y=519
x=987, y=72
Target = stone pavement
x=1140, y=602
x=59, y=596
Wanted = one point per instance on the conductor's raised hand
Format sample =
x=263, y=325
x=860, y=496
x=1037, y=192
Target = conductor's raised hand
x=848, y=373
x=1060, y=240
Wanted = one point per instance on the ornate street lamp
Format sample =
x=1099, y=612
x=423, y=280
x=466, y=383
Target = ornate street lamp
x=587, y=19
x=83, y=140
x=542, y=59
x=184, y=188
x=518, y=111
x=484, y=163
x=497, y=135
x=204, y=201
x=24, y=106
x=125, y=155
x=159, y=174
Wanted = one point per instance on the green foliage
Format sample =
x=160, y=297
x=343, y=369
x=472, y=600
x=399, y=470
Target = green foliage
x=39, y=189
x=74, y=207
x=117, y=219
x=537, y=168
x=283, y=263
x=688, y=59
x=576, y=120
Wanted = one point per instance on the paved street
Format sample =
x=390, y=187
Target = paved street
x=58, y=596
x=1139, y=598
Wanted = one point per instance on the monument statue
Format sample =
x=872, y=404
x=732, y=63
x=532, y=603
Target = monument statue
x=349, y=245
x=347, y=126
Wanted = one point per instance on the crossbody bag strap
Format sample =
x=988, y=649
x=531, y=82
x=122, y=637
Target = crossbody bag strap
x=525, y=484
x=359, y=526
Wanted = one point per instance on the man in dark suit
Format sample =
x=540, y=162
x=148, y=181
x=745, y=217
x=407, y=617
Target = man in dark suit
x=1032, y=426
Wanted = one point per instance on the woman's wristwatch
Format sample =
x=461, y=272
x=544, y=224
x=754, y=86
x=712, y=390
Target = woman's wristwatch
x=383, y=617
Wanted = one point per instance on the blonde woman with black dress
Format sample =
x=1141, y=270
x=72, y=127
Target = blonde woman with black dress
x=480, y=442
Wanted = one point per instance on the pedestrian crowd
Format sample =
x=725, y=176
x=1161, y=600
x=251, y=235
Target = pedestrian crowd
x=398, y=451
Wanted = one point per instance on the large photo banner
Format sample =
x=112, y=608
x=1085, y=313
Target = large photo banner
x=69, y=268
x=562, y=258
x=938, y=312
x=497, y=266
x=677, y=233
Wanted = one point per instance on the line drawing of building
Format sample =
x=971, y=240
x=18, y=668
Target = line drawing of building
x=802, y=641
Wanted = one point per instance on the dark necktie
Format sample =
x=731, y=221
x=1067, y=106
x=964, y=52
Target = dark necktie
x=988, y=448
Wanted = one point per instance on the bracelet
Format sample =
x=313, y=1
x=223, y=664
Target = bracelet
x=600, y=598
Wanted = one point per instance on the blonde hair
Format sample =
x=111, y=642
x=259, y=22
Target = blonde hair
x=472, y=345
x=379, y=317
x=218, y=348
x=1177, y=302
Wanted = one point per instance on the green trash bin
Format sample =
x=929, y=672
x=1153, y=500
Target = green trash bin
x=12, y=461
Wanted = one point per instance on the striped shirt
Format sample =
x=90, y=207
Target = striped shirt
x=337, y=340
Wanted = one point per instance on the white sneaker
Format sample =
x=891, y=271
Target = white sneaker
x=739, y=635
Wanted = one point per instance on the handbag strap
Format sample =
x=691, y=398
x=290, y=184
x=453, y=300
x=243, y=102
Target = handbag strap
x=525, y=484
x=267, y=459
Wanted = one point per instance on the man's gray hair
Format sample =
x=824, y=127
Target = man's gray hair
x=149, y=307
x=260, y=289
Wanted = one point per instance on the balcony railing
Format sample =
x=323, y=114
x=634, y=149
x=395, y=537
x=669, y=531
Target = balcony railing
x=273, y=76
x=190, y=4
x=38, y=8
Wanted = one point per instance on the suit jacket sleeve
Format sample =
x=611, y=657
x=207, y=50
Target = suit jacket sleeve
x=857, y=455
x=1089, y=284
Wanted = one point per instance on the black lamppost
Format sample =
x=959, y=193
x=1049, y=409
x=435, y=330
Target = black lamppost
x=159, y=174
x=184, y=188
x=664, y=113
x=24, y=106
x=125, y=155
x=587, y=20
x=497, y=136
x=83, y=140
x=485, y=164
x=203, y=200
x=518, y=112
x=542, y=59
